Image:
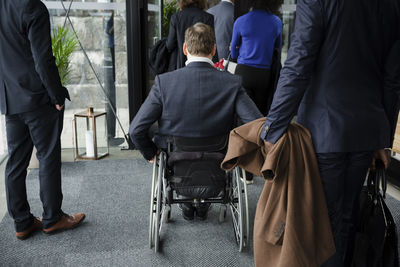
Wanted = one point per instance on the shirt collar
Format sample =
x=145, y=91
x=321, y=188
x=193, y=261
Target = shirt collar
x=199, y=59
x=229, y=1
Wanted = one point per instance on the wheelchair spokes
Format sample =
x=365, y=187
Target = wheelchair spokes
x=153, y=203
x=237, y=208
x=157, y=200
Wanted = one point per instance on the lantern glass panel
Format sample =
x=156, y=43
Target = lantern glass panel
x=84, y=129
x=101, y=135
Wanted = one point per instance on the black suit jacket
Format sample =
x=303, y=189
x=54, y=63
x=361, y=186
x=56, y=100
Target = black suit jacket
x=334, y=74
x=391, y=93
x=194, y=101
x=28, y=74
x=180, y=21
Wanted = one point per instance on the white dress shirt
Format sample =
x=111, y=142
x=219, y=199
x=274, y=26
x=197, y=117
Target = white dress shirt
x=198, y=59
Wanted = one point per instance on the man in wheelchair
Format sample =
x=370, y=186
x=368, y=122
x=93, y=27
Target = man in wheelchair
x=196, y=101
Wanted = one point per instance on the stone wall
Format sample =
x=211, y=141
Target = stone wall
x=83, y=84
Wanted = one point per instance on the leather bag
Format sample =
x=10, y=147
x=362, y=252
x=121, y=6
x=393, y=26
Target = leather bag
x=376, y=236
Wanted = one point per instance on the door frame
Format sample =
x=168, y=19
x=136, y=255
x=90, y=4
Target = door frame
x=136, y=14
x=137, y=42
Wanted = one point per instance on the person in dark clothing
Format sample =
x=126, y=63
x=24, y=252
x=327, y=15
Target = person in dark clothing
x=32, y=99
x=223, y=23
x=111, y=40
x=335, y=79
x=194, y=101
x=192, y=11
x=109, y=84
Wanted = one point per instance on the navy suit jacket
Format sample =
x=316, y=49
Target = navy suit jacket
x=334, y=75
x=28, y=74
x=223, y=23
x=194, y=101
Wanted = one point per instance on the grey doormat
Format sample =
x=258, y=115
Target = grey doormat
x=115, y=196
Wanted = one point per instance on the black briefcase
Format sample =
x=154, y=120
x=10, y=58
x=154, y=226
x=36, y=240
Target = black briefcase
x=376, y=236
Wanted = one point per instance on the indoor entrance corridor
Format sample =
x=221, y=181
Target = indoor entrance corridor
x=108, y=46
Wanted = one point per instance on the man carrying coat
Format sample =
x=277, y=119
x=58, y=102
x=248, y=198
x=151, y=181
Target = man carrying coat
x=32, y=99
x=334, y=78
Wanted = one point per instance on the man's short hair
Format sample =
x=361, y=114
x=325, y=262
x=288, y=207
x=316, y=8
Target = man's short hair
x=200, y=39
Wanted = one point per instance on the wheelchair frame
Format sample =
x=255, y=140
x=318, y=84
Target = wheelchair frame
x=162, y=199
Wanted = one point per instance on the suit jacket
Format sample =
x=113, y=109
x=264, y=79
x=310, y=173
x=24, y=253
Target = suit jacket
x=179, y=22
x=194, y=101
x=391, y=92
x=334, y=74
x=28, y=74
x=223, y=23
x=291, y=226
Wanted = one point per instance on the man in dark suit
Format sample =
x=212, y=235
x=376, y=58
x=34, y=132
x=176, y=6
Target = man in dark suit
x=334, y=79
x=194, y=101
x=223, y=24
x=32, y=99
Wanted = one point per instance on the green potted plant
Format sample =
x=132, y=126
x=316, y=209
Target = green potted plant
x=170, y=8
x=63, y=44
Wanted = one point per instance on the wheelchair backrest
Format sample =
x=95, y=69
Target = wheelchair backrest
x=199, y=148
x=200, y=144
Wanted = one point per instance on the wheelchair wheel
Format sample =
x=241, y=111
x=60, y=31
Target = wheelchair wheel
x=246, y=209
x=237, y=207
x=157, y=202
x=153, y=202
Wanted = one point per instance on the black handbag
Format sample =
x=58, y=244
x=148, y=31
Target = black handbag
x=160, y=59
x=376, y=236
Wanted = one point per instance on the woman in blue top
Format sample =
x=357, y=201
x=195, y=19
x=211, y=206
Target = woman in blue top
x=255, y=36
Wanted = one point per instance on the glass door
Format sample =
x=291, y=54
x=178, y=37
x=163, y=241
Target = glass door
x=98, y=65
x=153, y=34
x=288, y=19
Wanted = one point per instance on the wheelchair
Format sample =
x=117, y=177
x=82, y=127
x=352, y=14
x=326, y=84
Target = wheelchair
x=193, y=168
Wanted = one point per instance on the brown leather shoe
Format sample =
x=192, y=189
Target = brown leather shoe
x=36, y=226
x=67, y=222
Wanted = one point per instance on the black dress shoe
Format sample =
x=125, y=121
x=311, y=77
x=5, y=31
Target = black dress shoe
x=187, y=211
x=202, y=211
